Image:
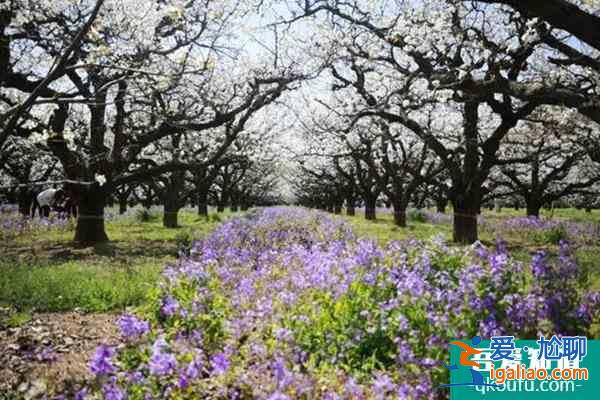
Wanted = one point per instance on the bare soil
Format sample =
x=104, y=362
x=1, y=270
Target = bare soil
x=51, y=352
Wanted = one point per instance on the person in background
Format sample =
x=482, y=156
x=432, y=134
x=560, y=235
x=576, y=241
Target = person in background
x=47, y=200
x=69, y=206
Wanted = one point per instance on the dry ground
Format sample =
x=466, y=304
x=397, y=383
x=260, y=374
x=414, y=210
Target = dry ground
x=52, y=351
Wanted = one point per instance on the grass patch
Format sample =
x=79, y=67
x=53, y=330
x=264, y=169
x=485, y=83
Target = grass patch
x=383, y=229
x=145, y=215
x=44, y=271
x=14, y=319
x=130, y=229
x=90, y=286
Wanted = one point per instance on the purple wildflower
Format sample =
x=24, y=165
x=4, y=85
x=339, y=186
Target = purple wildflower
x=133, y=328
x=101, y=363
x=219, y=363
x=194, y=369
x=382, y=385
x=81, y=394
x=162, y=363
x=113, y=392
x=278, y=396
x=169, y=306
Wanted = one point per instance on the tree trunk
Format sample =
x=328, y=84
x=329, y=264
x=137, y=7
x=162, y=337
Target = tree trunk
x=533, y=209
x=588, y=209
x=90, y=222
x=222, y=201
x=170, y=218
x=12, y=195
x=337, y=208
x=440, y=205
x=171, y=211
x=122, y=205
x=465, y=225
x=400, y=216
x=245, y=207
x=234, y=208
x=25, y=201
x=203, y=209
x=370, y=207
x=350, y=204
x=497, y=206
x=203, y=203
x=466, y=186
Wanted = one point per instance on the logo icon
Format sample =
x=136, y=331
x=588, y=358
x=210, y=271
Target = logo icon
x=466, y=353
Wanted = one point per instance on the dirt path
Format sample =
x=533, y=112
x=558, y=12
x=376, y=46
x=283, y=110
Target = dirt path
x=51, y=352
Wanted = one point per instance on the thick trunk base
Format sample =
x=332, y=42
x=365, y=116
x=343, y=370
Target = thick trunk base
x=203, y=210
x=90, y=221
x=370, y=213
x=170, y=219
x=122, y=207
x=25, y=208
x=440, y=205
x=400, y=217
x=350, y=211
x=26, y=202
x=90, y=230
x=465, y=227
x=533, y=211
x=90, y=224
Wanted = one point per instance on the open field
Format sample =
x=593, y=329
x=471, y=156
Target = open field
x=61, y=301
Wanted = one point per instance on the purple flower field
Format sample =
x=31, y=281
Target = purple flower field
x=13, y=224
x=547, y=230
x=537, y=230
x=287, y=303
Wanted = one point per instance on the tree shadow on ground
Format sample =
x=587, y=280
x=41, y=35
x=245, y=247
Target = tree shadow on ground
x=70, y=251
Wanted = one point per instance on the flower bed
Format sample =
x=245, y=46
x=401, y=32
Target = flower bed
x=287, y=303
